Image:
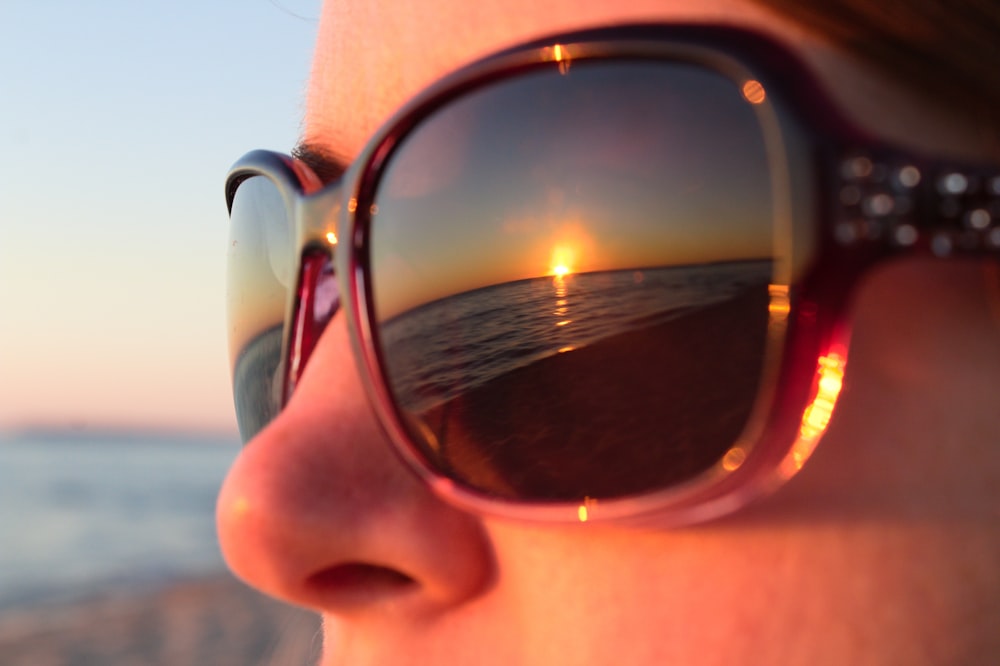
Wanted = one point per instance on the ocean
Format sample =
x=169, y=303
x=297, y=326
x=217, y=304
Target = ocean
x=441, y=349
x=82, y=512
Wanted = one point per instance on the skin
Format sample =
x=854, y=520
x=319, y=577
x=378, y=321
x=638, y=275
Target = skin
x=883, y=550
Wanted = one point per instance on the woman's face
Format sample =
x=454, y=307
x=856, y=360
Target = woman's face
x=882, y=550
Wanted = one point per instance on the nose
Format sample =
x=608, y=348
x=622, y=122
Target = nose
x=318, y=511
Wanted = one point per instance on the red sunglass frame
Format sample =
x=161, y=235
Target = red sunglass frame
x=873, y=202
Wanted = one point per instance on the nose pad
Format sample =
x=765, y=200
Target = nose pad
x=317, y=299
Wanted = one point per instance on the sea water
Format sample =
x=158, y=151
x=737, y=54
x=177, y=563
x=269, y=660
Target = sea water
x=80, y=513
x=451, y=345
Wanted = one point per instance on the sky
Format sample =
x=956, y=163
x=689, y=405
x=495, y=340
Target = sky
x=614, y=166
x=118, y=121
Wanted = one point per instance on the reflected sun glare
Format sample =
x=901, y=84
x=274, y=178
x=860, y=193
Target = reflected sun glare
x=562, y=260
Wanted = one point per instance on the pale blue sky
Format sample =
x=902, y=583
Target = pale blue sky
x=118, y=121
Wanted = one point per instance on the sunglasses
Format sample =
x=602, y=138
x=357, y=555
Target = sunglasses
x=600, y=276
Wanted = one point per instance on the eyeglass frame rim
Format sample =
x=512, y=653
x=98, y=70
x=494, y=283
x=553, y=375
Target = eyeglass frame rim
x=308, y=199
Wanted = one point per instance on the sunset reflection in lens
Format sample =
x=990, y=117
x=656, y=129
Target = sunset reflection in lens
x=580, y=307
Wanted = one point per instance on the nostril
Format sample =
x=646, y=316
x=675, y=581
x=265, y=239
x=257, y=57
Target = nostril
x=356, y=584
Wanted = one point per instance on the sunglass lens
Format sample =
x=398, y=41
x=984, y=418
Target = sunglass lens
x=569, y=273
x=261, y=272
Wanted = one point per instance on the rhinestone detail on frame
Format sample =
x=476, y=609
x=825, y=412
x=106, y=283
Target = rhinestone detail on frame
x=945, y=210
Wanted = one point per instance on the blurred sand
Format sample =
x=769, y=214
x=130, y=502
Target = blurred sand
x=635, y=411
x=211, y=622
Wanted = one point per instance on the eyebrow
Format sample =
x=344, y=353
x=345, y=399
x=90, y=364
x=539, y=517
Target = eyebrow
x=327, y=166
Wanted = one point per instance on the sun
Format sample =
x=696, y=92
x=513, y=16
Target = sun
x=562, y=261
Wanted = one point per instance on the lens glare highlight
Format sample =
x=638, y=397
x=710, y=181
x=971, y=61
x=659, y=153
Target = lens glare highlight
x=816, y=417
x=754, y=92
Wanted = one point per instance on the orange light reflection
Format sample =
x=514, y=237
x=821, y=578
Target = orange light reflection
x=754, y=92
x=583, y=510
x=779, y=305
x=561, y=56
x=817, y=415
x=734, y=458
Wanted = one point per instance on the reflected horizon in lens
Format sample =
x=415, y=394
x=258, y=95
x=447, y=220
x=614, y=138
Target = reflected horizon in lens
x=570, y=276
x=610, y=167
x=652, y=373
x=445, y=348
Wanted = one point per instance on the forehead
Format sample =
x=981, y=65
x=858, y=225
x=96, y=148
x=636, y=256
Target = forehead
x=373, y=56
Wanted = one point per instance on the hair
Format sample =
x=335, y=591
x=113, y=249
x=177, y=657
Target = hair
x=948, y=48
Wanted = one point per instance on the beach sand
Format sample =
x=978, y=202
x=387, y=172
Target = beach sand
x=634, y=411
x=212, y=622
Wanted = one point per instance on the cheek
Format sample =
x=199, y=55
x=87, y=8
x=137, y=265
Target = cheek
x=913, y=437
x=626, y=596
x=719, y=593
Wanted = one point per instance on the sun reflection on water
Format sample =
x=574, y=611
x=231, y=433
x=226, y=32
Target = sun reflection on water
x=562, y=303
